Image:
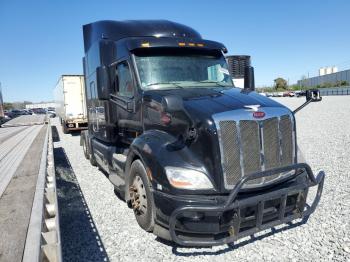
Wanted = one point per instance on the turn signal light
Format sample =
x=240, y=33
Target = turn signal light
x=145, y=44
x=191, y=44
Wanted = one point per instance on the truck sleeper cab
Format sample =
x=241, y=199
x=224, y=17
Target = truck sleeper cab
x=200, y=161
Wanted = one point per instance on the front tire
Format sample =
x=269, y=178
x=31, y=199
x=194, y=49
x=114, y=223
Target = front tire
x=141, y=197
x=85, y=148
x=92, y=159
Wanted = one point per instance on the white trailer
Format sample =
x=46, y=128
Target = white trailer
x=70, y=102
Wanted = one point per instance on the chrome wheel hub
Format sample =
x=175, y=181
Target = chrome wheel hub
x=138, y=196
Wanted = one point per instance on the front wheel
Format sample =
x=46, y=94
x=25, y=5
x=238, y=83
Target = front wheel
x=141, y=197
x=92, y=159
x=85, y=148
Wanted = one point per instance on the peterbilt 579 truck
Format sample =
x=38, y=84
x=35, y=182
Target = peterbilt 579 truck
x=199, y=161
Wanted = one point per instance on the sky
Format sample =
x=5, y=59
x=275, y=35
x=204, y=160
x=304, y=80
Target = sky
x=41, y=40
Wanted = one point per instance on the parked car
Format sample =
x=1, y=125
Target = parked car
x=300, y=93
x=39, y=111
x=26, y=112
x=288, y=94
x=51, y=113
x=6, y=114
x=15, y=113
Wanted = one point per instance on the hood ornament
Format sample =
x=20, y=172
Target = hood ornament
x=253, y=108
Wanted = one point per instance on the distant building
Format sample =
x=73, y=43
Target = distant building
x=236, y=65
x=40, y=105
x=330, y=76
x=327, y=70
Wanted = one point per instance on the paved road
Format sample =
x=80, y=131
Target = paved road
x=20, y=155
x=26, y=120
x=96, y=225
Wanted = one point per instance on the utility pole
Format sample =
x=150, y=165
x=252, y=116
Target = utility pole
x=1, y=104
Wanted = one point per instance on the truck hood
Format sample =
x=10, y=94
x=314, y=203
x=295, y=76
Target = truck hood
x=200, y=105
x=209, y=101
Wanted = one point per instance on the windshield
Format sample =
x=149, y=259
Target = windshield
x=182, y=71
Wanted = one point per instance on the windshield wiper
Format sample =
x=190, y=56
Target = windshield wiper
x=214, y=82
x=165, y=83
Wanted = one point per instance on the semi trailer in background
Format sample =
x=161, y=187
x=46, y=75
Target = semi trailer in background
x=199, y=161
x=70, y=102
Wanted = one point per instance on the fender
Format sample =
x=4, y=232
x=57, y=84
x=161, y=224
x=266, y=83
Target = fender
x=158, y=149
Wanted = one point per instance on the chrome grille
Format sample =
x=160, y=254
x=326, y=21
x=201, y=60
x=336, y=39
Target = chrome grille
x=231, y=158
x=271, y=146
x=249, y=131
x=286, y=130
x=249, y=146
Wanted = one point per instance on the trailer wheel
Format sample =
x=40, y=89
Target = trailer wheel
x=141, y=197
x=64, y=128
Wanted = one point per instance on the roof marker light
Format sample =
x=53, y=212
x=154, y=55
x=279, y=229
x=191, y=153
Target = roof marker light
x=146, y=44
x=182, y=44
x=200, y=45
x=191, y=44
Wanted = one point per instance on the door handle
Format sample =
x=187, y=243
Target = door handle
x=130, y=106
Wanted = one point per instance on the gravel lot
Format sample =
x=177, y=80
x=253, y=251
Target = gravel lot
x=97, y=226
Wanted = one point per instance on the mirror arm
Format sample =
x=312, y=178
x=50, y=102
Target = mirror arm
x=302, y=106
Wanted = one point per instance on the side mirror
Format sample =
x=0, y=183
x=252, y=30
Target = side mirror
x=249, y=82
x=103, y=84
x=172, y=103
x=313, y=95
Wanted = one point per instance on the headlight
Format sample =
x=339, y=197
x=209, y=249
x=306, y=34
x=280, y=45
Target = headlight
x=187, y=178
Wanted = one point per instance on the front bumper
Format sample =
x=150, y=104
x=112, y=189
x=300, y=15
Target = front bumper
x=249, y=214
x=76, y=124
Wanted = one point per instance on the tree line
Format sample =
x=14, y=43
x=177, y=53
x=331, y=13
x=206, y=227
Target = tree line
x=16, y=105
x=280, y=84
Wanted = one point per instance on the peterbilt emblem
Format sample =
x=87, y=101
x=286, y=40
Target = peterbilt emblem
x=258, y=114
x=254, y=108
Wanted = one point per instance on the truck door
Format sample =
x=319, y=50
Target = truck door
x=126, y=98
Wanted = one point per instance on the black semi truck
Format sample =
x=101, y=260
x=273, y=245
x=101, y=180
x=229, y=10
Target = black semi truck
x=199, y=161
